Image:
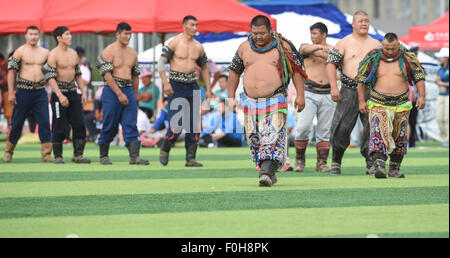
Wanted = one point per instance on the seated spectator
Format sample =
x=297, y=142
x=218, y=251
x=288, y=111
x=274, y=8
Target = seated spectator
x=145, y=94
x=224, y=129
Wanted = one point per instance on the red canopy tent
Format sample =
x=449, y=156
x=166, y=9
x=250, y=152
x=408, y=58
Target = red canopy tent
x=433, y=36
x=83, y=16
x=17, y=15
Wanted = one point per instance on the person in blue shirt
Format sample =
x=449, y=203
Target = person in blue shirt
x=145, y=94
x=224, y=128
x=442, y=105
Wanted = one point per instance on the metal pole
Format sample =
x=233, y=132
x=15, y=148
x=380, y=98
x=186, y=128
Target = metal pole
x=154, y=74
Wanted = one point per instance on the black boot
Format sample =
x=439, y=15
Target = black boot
x=267, y=176
x=104, y=150
x=369, y=167
x=78, y=149
x=57, y=152
x=379, y=165
x=133, y=148
x=164, y=152
x=336, y=162
x=191, y=152
x=395, y=161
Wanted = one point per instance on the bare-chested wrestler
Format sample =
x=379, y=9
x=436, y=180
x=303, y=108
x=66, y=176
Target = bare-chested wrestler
x=269, y=61
x=118, y=65
x=24, y=70
x=63, y=74
x=386, y=72
x=183, y=52
x=318, y=100
x=346, y=56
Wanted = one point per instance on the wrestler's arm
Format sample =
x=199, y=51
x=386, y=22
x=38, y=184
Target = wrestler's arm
x=332, y=74
x=135, y=78
x=12, y=73
x=108, y=56
x=82, y=87
x=52, y=81
x=206, y=76
x=316, y=50
x=362, y=98
x=420, y=103
x=167, y=88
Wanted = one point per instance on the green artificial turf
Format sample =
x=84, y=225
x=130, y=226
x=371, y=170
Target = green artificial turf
x=222, y=199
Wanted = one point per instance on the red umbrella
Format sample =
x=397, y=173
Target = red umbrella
x=17, y=15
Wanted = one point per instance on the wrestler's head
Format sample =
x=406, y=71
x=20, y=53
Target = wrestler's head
x=261, y=31
x=319, y=33
x=361, y=23
x=391, y=45
x=123, y=33
x=190, y=25
x=62, y=35
x=32, y=35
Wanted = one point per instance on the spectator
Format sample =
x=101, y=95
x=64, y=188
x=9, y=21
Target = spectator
x=225, y=129
x=412, y=121
x=7, y=107
x=145, y=94
x=157, y=132
x=442, y=105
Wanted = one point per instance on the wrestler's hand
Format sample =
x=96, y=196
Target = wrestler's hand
x=63, y=100
x=363, y=108
x=12, y=98
x=420, y=103
x=168, y=89
x=232, y=104
x=123, y=99
x=207, y=94
x=83, y=99
x=336, y=95
x=299, y=103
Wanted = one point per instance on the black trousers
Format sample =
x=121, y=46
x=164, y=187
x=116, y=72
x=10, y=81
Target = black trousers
x=344, y=120
x=73, y=115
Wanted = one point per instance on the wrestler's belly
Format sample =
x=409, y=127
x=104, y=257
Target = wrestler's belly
x=31, y=73
x=391, y=85
x=261, y=80
x=183, y=66
x=317, y=74
x=66, y=75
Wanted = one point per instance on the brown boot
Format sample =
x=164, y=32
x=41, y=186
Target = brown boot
x=323, y=149
x=300, y=150
x=9, y=151
x=46, y=151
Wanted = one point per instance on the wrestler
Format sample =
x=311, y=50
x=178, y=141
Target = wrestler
x=318, y=100
x=386, y=72
x=183, y=52
x=63, y=74
x=346, y=56
x=269, y=61
x=118, y=64
x=24, y=71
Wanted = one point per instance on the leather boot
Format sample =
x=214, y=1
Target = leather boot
x=104, y=158
x=335, y=168
x=267, y=176
x=191, y=152
x=57, y=152
x=395, y=161
x=78, y=149
x=133, y=148
x=300, y=150
x=46, y=151
x=164, y=152
x=379, y=165
x=9, y=151
x=323, y=149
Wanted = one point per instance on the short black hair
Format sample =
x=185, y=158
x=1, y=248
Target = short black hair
x=188, y=17
x=223, y=76
x=390, y=37
x=31, y=27
x=320, y=26
x=59, y=31
x=260, y=20
x=123, y=26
